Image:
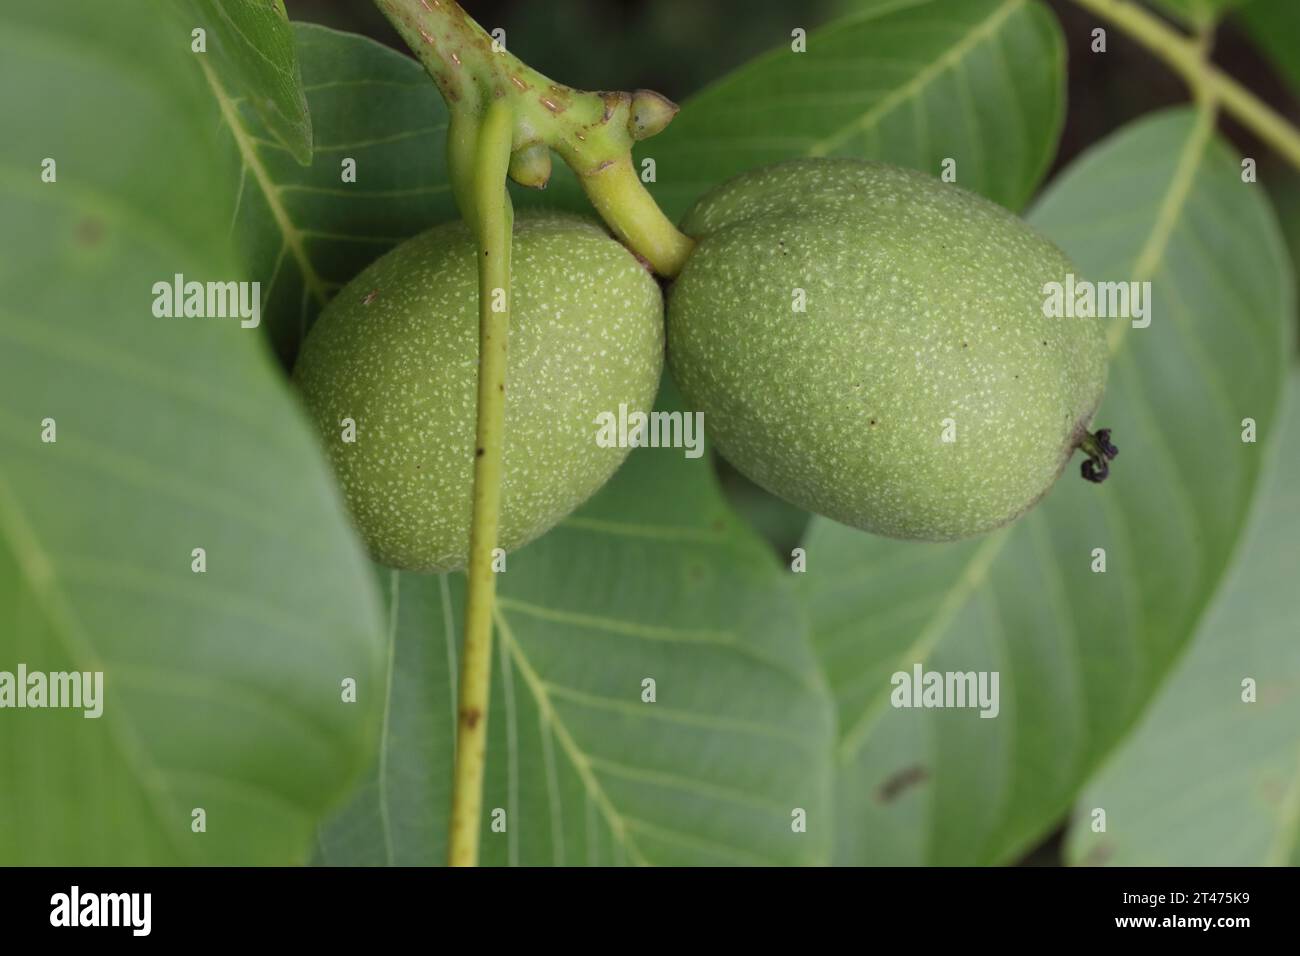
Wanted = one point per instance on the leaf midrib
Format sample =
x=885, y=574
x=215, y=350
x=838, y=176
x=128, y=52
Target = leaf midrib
x=955, y=54
x=618, y=825
x=289, y=231
x=43, y=583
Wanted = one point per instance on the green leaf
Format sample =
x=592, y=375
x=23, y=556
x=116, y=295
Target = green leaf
x=654, y=578
x=222, y=690
x=1079, y=653
x=1208, y=779
x=305, y=230
x=977, y=81
x=253, y=45
x=1284, y=190
x=1275, y=26
x=1200, y=14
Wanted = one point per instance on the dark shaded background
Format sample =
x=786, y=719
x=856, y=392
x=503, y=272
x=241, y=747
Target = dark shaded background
x=678, y=46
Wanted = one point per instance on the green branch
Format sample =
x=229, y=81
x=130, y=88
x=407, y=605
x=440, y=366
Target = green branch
x=592, y=132
x=1187, y=57
x=479, y=178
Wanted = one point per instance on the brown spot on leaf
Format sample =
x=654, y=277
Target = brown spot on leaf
x=370, y=297
x=90, y=231
x=470, y=716
x=900, y=782
x=1098, y=855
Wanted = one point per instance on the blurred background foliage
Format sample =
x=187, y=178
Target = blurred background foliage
x=679, y=46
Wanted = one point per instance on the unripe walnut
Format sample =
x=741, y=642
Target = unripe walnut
x=397, y=350
x=870, y=344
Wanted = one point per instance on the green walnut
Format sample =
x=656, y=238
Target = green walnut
x=870, y=344
x=392, y=363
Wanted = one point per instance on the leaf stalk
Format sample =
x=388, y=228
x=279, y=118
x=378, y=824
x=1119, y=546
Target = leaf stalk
x=1187, y=57
x=593, y=132
x=478, y=176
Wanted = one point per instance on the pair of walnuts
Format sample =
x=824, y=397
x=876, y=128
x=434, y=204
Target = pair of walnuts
x=864, y=341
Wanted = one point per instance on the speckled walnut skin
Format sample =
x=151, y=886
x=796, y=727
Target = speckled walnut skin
x=397, y=351
x=924, y=303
